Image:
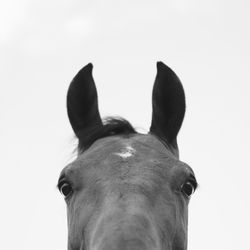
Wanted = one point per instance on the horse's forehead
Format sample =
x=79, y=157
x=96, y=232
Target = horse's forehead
x=133, y=148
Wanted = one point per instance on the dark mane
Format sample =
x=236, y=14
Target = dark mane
x=111, y=126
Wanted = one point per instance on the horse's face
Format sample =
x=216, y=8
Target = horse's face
x=125, y=190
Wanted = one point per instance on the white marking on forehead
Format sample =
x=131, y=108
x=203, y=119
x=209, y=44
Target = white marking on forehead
x=126, y=152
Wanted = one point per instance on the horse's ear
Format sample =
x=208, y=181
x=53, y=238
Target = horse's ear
x=82, y=103
x=168, y=105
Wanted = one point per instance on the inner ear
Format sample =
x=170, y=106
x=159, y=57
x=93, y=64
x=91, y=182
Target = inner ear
x=168, y=101
x=82, y=102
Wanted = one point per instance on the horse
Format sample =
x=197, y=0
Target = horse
x=127, y=190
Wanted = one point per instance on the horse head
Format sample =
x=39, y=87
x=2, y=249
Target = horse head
x=126, y=190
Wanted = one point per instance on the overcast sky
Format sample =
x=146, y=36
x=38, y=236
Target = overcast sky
x=42, y=46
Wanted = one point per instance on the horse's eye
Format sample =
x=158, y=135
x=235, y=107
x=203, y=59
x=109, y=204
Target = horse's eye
x=188, y=188
x=65, y=188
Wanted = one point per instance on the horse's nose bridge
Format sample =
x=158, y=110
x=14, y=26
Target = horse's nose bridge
x=131, y=232
x=124, y=224
x=125, y=244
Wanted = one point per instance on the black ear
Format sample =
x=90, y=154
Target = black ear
x=168, y=105
x=82, y=103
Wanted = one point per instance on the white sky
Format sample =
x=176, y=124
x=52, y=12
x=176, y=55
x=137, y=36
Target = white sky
x=42, y=46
